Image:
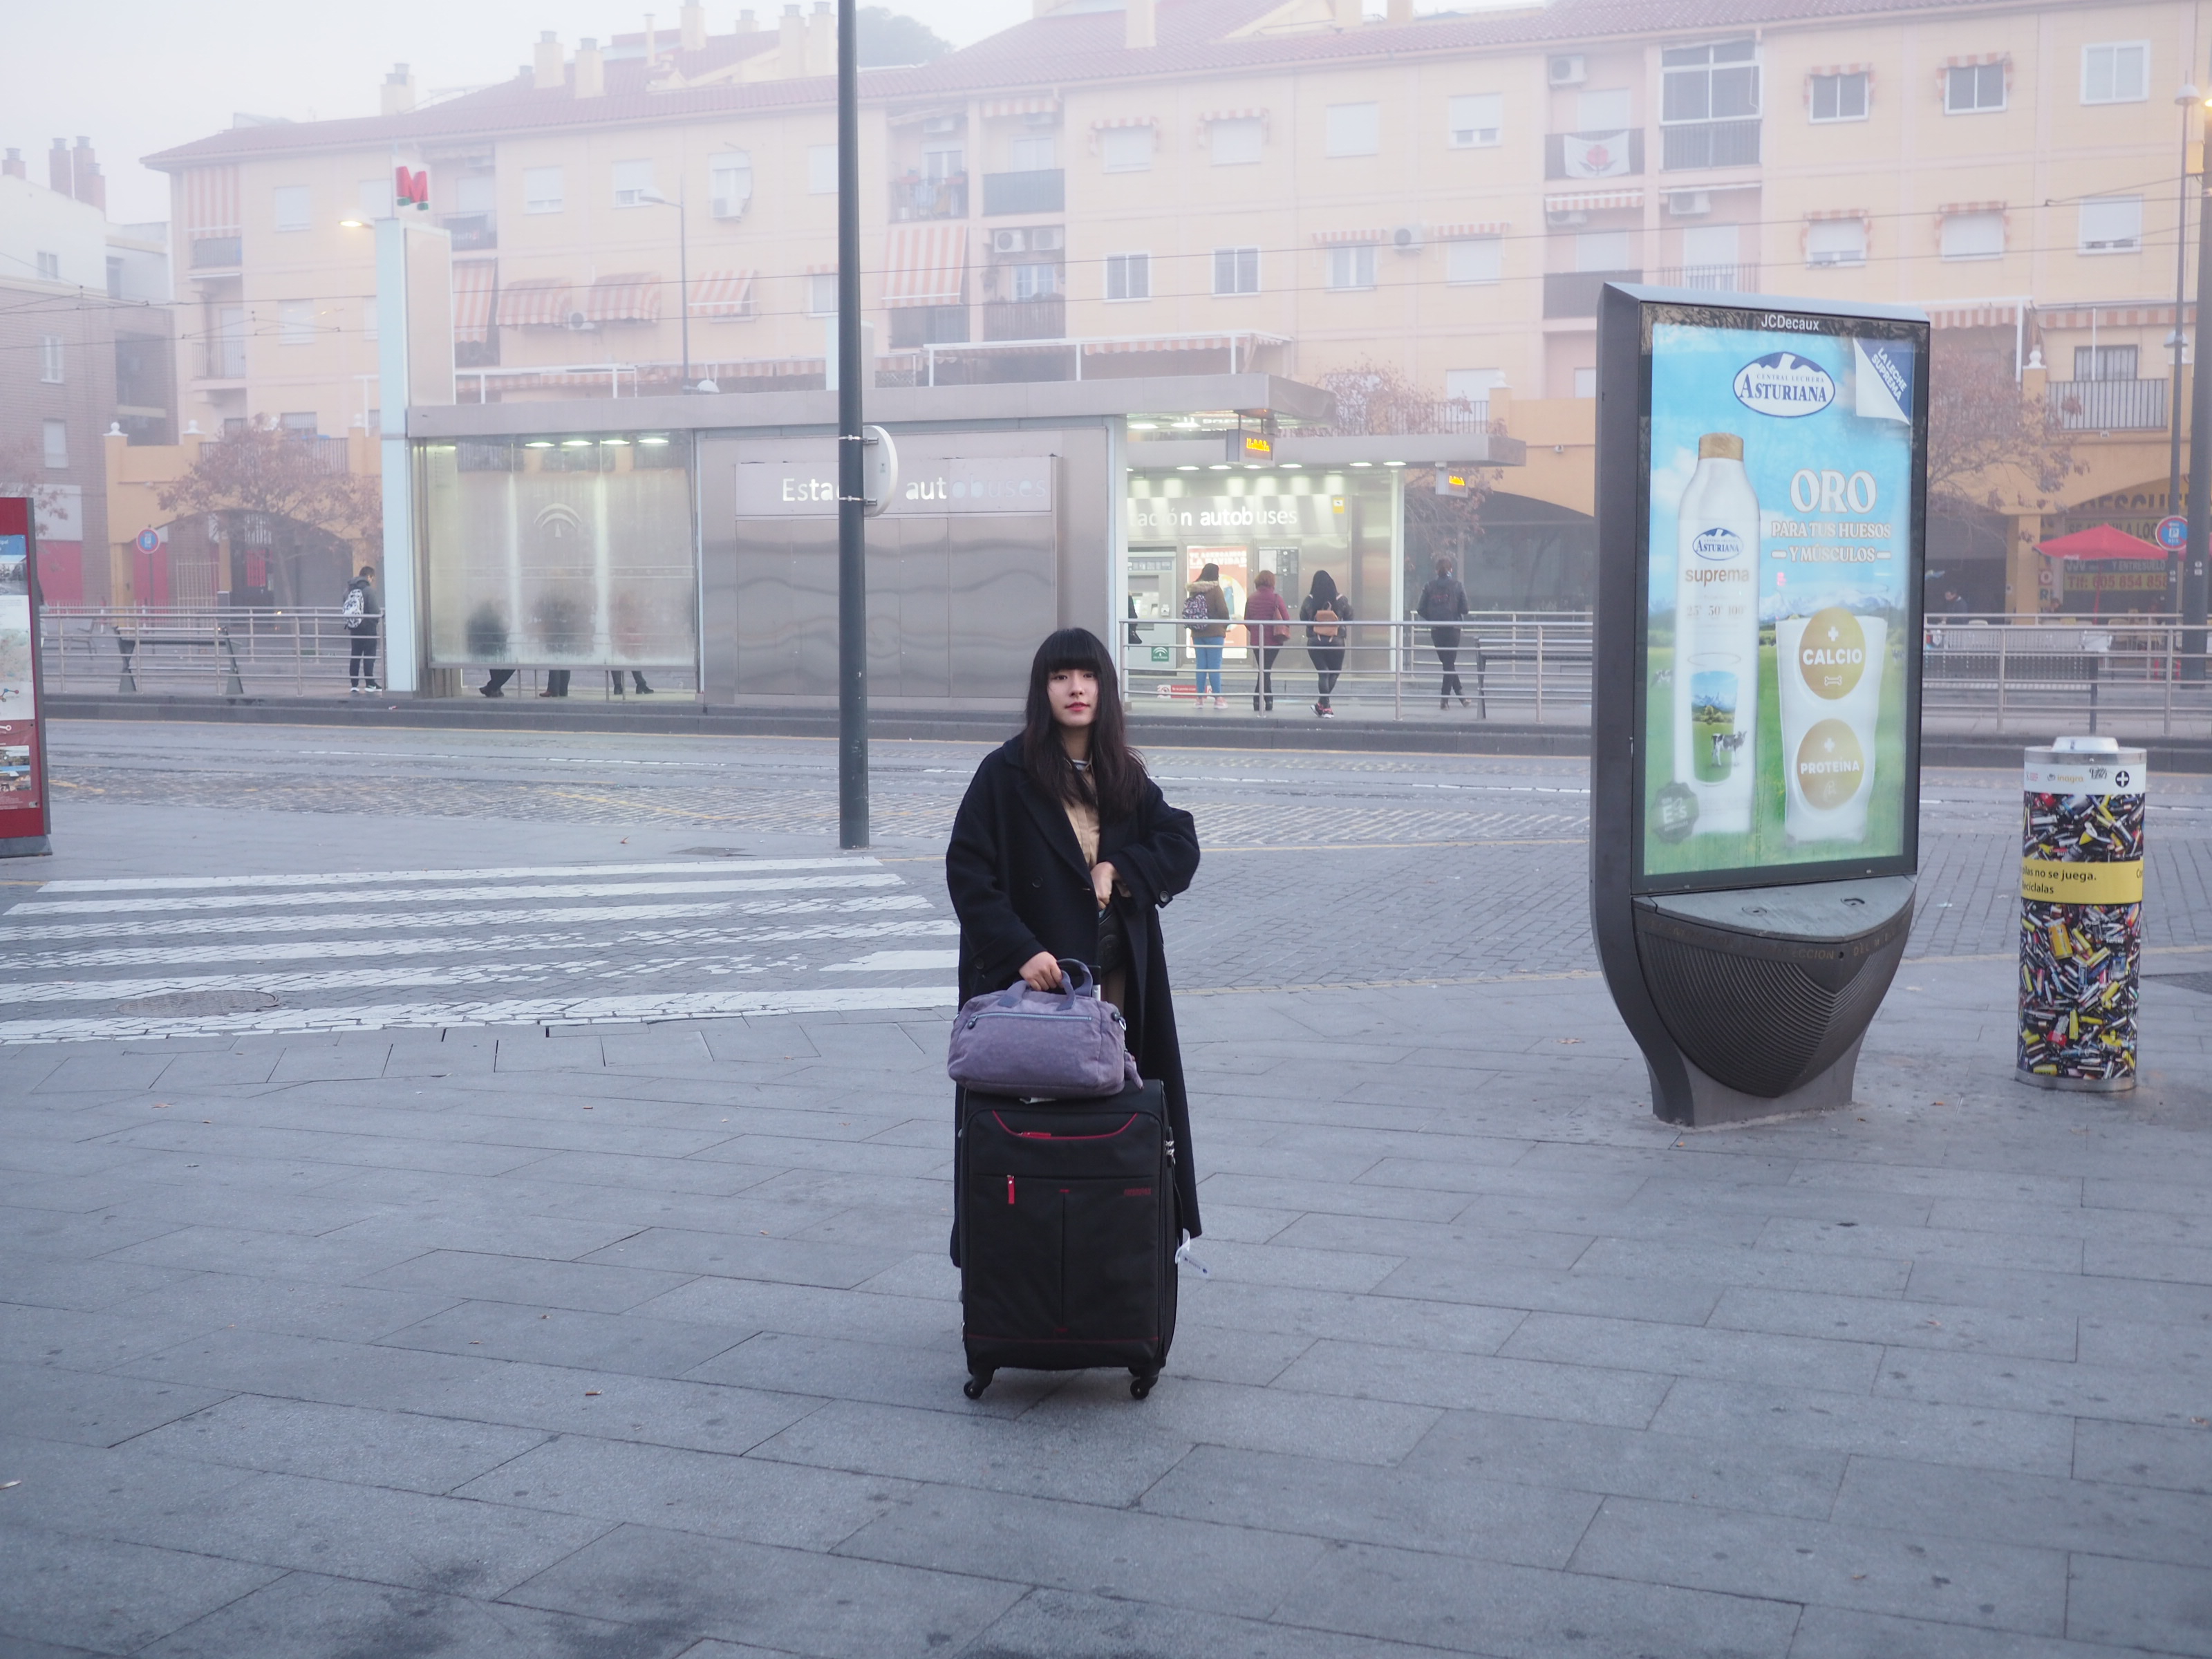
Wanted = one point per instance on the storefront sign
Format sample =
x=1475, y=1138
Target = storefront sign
x=807, y=487
x=1205, y=518
x=23, y=813
x=1780, y=566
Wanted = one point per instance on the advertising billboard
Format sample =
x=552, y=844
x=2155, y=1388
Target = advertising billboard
x=1779, y=565
x=22, y=759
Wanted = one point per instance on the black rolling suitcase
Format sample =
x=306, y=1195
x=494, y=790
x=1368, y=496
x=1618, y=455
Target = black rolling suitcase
x=1067, y=1235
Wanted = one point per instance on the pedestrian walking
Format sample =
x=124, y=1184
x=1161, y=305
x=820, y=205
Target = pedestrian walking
x=362, y=611
x=1203, y=601
x=1065, y=846
x=614, y=679
x=1325, y=612
x=1265, y=606
x=1443, y=600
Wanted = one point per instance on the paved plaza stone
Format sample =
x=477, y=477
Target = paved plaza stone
x=485, y=1195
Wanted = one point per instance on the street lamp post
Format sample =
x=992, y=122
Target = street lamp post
x=2193, y=593
x=2186, y=100
x=682, y=268
x=852, y=490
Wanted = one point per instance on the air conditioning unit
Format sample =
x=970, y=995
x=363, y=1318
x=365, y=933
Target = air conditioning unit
x=1561, y=221
x=1046, y=238
x=1689, y=204
x=1406, y=239
x=579, y=324
x=938, y=126
x=1568, y=69
x=1009, y=241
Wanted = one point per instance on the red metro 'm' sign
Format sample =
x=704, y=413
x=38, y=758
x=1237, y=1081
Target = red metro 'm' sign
x=22, y=735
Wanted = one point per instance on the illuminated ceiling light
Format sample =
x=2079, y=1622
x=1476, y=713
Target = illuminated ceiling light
x=1363, y=463
x=1386, y=463
x=1293, y=467
x=1218, y=466
x=653, y=443
x=1144, y=425
x=1188, y=466
x=539, y=443
x=575, y=443
x=353, y=224
x=616, y=443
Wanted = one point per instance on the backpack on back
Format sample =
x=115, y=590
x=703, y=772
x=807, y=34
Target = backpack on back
x=1193, y=608
x=1327, y=626
x=355, y=608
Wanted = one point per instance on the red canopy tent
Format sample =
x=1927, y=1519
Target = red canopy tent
x=2100, y=541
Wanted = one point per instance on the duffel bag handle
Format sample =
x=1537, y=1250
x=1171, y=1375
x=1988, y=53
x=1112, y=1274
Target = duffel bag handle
x=1075, y=982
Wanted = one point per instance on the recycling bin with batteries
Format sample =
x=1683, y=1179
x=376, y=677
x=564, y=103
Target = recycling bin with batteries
x=1755, y=708
x=2080, y=913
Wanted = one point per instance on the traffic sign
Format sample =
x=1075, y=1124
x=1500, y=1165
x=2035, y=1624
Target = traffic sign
x=2172, y=533
x=149, y=541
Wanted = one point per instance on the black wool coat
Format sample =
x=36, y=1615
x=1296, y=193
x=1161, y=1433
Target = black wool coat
x=1019, y=885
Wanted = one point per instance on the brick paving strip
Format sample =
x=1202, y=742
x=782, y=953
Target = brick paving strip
x=638, y=1339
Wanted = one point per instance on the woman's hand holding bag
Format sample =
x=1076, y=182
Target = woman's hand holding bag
x=1031, y=1044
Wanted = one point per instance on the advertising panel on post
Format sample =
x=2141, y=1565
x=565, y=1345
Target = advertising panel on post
x=1762, y=468
x=23, y=812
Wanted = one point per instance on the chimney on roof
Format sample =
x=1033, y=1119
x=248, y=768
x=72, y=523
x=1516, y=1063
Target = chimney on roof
x=747, y=23
x=398, y=90
x=652, y=43
x=86, y=184
x=13, y=167
x=58, y=168
x=1401, y=11
x=691, y=21
x=549, y=71
x=822, y=40
x=590, y=78
x=1348, y=14
x=1140, y=25
x=791, y=42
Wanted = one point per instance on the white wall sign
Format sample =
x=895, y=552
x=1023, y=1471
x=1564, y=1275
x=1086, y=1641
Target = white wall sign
x=804, y=486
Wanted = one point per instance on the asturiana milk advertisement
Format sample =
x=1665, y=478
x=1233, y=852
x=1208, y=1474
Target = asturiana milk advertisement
x=1781, y=560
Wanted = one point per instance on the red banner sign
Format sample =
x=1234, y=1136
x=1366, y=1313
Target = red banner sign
x=23, y=819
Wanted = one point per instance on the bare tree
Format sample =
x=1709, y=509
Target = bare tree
x=1991, y=446
x=257, y=469
x=1375, y=401
x=22, y=469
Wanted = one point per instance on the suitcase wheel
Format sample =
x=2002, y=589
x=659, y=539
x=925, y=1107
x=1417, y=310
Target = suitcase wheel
x=1140, y=1382
x=977, y=1382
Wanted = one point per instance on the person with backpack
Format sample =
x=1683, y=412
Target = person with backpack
x=1443, y=600
x=1204, y=602
x=361, y=612
x=1266, y=605
x=1325, y=613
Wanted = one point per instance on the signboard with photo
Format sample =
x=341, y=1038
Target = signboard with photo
x=22, y=781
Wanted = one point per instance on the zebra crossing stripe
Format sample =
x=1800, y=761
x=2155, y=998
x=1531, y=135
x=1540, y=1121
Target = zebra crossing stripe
x=418, y=894
x=504, y=872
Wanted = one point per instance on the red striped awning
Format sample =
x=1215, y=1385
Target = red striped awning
x=1975, y=313
x=535, y=303
x=998, y=106
x=926, y=264
x=1593, y=201
x=476, y=284
x=2134, y=316
x=634, y=296
x=1165, y=343
x=1471, y=227
x=1350, y=237
x=211, y=202
x=1109, y=123
x=1213, y=115
x=761, y=368
x=724, y=294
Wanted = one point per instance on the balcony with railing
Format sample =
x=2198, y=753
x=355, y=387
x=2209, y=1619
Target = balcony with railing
x=2107, y=406
x=915, y=197
x=1708, y=278
x=472, y=232
x=1593, y=155
x=1693, y=144
x=1042, y=318
x=1574, y=293
x=924, y=325
x=226, y=358
x=218, y=252
x=1043, y=190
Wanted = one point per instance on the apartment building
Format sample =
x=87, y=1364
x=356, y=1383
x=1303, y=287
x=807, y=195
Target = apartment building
x=1209, y=185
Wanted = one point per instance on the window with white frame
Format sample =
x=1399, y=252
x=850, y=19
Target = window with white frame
x=54, y=435
x=1352, y=266
x=1128, y=276
x=1716, y=82
x=49, y=359
x=293, y=207
x=1355, y=129
x=1127, y=149
x=2111, y=224
x=1839, y=97
x=1036, y=282
x=1470, y=386
x=2117, y=72
x=1475, y=260
x=1977, y=235
x=1586, y=383
x=633, y=184
x=1477, y=120
x=943, y=161
x=1602, y=250
x=1037, y=154
x=1236, y=271
x=1708, y=255
x=822, y=169
x=374, y=198
x=822, y=294
x=50, y=267
x=295, y=322
x=475, y=193
x=1237, y=143
x=2106, y=363
x=544, y=190
x=1835, y=242
x=730, y=183
x=1973, y=89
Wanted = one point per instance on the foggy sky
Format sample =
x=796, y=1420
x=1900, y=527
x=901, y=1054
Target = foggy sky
x=141, y=75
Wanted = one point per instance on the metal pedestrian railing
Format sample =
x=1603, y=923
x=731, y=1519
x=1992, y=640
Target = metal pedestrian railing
x=228, y=652
x=2133, y=674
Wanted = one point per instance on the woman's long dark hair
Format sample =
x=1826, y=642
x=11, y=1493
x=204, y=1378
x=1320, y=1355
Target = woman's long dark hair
x=1115, y=780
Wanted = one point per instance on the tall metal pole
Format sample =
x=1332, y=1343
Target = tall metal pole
x=683, y=278
x=2187, y=98
x=852, y=504
x=2200, y=459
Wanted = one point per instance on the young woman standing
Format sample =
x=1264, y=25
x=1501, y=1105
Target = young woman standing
x=1064, y=846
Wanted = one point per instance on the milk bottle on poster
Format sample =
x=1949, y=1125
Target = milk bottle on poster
x=1716, y=636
